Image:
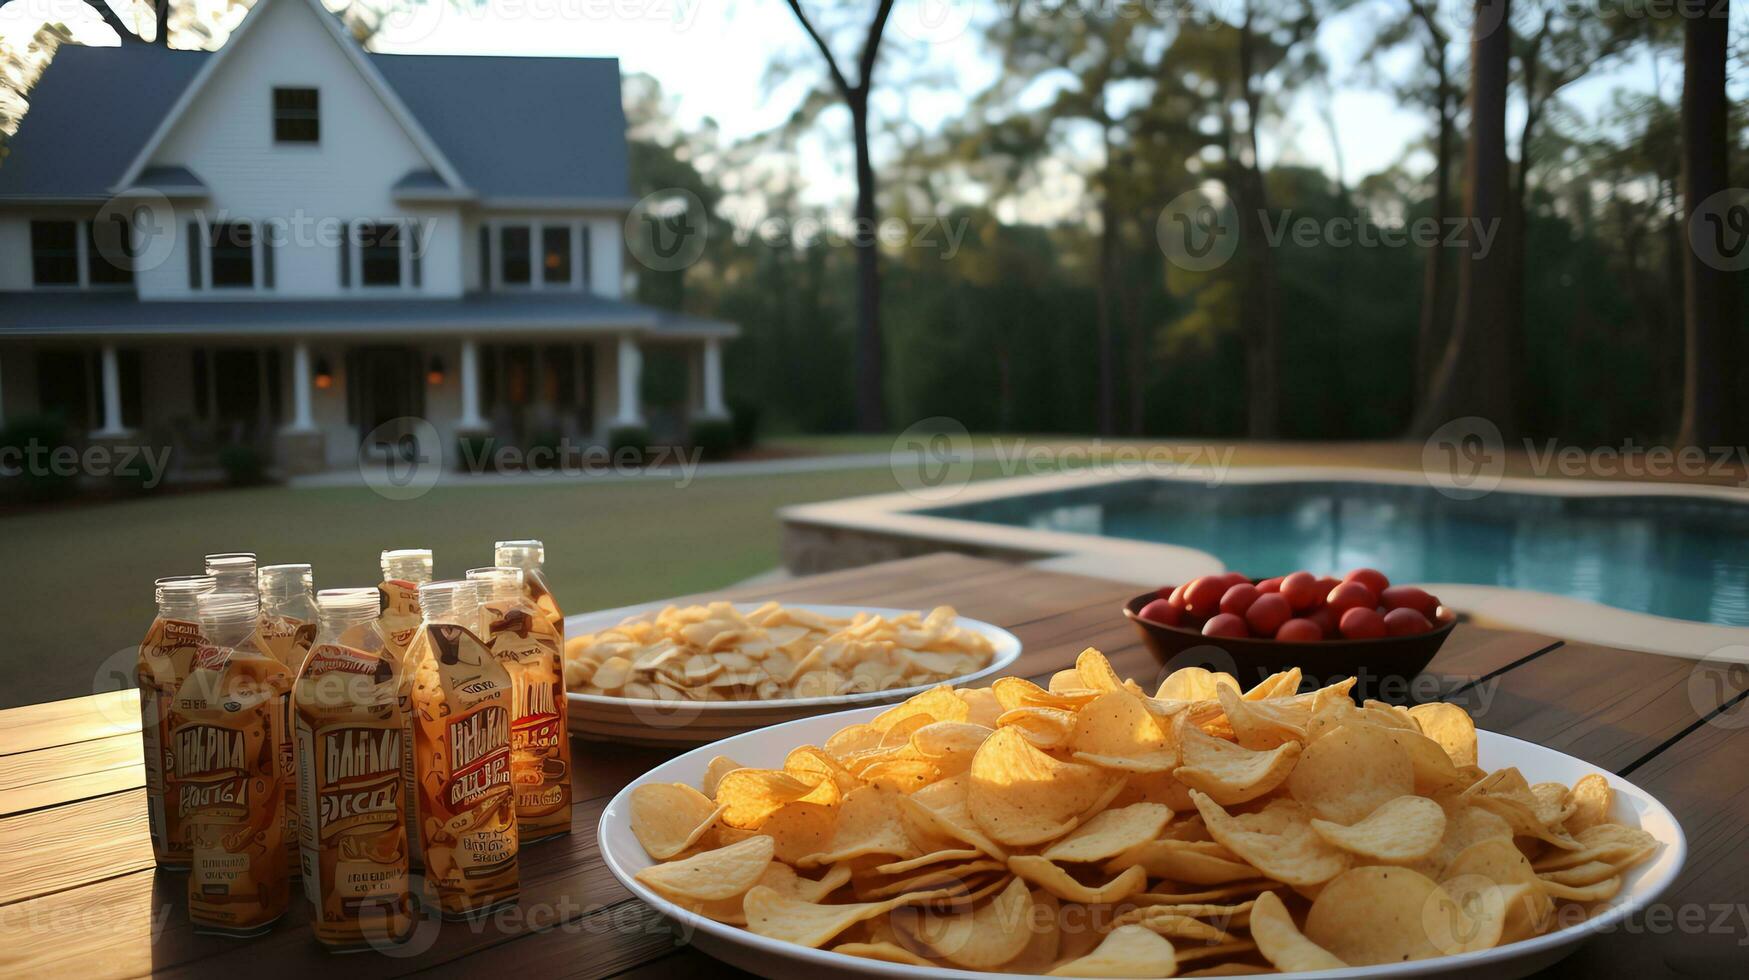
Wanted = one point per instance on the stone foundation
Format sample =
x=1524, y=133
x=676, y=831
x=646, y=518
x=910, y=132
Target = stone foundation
x=296, y=453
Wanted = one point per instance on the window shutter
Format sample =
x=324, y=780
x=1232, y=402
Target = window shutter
x=196, y=255
x=485, y=258
x=584, y=242
x=346, y=258
x=416, y=256
x=267, y=243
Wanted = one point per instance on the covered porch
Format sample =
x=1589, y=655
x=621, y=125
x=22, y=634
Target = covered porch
x=306, y=384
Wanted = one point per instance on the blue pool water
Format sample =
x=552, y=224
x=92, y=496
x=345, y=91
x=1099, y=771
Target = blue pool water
x=1686, y=558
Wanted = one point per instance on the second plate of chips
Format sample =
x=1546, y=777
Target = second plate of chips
x=667, y=720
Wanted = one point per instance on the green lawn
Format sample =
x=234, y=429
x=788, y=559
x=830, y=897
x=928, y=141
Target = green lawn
x=80, y=593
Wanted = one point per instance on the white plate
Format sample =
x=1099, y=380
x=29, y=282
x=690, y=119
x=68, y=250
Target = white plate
x=638, y=721
x=771, y=958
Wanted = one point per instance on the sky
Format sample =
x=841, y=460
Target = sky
x=713, y=57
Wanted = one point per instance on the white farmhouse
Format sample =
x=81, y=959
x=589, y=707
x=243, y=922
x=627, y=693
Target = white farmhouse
x=290, y=242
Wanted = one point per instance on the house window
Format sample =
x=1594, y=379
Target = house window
x=54, y=252
x=231, y=255
x=379, y=253
x=296, y=116
x=109, y=253
x=514, y=260
x=555, y=254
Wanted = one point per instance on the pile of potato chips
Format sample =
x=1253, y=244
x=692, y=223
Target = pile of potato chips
x=1090, y=829
x=716, y=653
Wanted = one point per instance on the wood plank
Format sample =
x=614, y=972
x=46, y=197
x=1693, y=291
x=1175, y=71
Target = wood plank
x=67, y=846
x=77, y=759
x=57, y=792
x=41, y=726
x=1701, y=927
x=1606, y=706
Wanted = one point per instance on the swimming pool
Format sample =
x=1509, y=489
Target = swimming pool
x=1676, y=556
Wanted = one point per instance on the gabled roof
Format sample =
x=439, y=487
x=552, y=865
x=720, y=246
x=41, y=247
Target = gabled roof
x=537, y=131
x=348, y=46
x=90, y=113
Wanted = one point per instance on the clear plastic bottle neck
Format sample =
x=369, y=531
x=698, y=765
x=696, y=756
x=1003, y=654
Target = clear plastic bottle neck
x=286, y=590
x=407, y=565
x=498, y=583
x=342, y=609
x=525, y=554
x=176, y=595
x=227, y=618
x=234, y=571
x=451, y=602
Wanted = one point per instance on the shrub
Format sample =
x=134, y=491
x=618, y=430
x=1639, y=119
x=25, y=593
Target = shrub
x=36, y=436
x=243, y=465
x=628, y=442
x=744, y=417
x=714, y=438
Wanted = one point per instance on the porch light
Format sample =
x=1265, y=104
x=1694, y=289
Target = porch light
x=434, y=373
x=324, y=375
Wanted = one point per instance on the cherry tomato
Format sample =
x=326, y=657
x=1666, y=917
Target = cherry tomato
x=1372, y=578
x=1225, y=624
x=1350, y=595
x=1404, y=621
x=1268, y=613
x=1301, y=590
x=1362, y=623
x=1299, y=631
x=1409, y=597
x=1162, y=612
x=1269, y=585
x=1326, y=583
x=1325, y=620
x=1203, y=596
x=1239, y=598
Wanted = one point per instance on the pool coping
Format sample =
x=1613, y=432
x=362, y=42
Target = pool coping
x=894, y=521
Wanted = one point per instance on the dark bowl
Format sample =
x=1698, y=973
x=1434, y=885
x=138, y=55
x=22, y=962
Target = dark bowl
x=1384, y=668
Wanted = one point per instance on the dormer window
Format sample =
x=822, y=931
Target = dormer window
x=296, y=116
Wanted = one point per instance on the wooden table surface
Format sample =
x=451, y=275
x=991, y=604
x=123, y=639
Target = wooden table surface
x=79, y=896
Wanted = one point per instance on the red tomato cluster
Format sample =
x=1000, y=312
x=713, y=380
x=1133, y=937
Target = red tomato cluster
x=1298, y=608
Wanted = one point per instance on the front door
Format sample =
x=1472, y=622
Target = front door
x=384, y=385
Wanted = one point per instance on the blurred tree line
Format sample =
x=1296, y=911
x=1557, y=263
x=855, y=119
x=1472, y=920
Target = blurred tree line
x=1084, y=326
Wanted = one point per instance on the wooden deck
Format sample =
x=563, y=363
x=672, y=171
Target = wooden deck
x=79, y=896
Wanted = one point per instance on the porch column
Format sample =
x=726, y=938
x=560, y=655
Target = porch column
x=470, y=386
x=631, y=371
x=713, y=379
x=112, y=427
x=303, y=419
